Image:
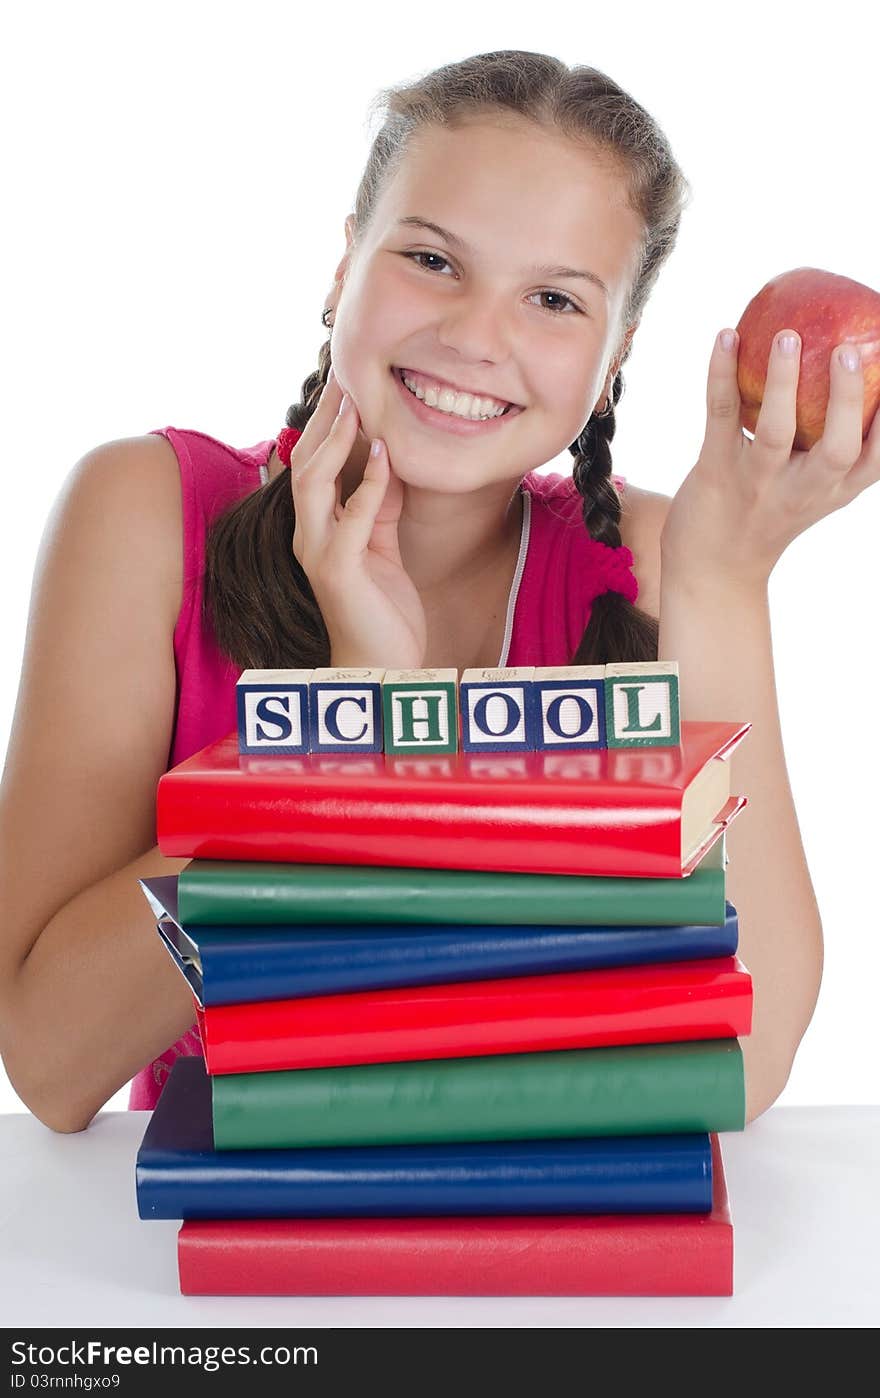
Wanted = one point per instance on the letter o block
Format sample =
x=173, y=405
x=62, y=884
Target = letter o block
x=496, y=709
x=569, y=710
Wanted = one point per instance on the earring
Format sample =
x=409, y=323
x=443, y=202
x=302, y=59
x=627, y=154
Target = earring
x=328, y=324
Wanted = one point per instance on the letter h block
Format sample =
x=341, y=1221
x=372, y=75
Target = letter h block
x=496, y=709
x=569, y=708
x=345, y=710
x=641, y=704
x=273, y=710
x=420, y=711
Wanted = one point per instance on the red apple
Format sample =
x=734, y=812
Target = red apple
x=826, y=310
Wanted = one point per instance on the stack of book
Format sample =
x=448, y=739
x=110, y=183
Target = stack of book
x=470, y=1023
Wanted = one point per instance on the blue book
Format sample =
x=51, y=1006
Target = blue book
x=179, y=1174
x=236, y=965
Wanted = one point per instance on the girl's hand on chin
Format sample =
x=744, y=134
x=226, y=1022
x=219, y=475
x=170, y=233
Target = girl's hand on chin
x=350, y=553
x=745, y=501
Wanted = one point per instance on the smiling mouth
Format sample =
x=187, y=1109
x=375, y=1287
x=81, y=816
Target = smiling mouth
x=509, y=408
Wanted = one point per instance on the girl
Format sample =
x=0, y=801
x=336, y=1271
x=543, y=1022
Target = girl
x=512, y=218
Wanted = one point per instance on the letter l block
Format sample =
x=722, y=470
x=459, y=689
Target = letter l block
x=641, y=704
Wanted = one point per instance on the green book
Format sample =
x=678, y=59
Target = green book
x=641, y=1089
x=244, y=893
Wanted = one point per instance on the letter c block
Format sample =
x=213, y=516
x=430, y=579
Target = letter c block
x=345, y=710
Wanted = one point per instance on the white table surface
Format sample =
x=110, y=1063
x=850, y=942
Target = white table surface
x=801, y=1180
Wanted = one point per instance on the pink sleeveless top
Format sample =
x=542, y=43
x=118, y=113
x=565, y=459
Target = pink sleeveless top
x=548, y=609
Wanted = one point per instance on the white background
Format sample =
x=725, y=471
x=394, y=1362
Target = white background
x=176, y=177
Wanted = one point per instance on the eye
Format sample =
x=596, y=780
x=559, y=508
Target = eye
x=416, y=255
x=559, y=295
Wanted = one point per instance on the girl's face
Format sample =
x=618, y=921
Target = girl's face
x=494, y=313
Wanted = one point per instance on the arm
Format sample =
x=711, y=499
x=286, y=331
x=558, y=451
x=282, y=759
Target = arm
x=87, y=993
x=733, y=517
x=720, y=636
x=721, y=639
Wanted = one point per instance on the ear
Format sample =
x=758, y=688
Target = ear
x=342, y=267
x=617, y=359
x=622, y=351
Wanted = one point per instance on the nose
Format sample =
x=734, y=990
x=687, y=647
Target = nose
x=476, y=328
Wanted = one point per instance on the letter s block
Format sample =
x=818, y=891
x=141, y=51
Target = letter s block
x=420, y=710
x=569, y=709
x=496, y=709
x=641, y=704
x=345, y=710
x=273, y=710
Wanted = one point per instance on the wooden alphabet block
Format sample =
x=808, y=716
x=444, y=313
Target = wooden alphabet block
x=496, y=707
x=273, y=711
x=641, y=704
x=569, y=707
x=420, y=711
x=345, y=710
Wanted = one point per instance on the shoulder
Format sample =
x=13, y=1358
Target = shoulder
x=642, y=516
x=135, y=474
x=121, y=506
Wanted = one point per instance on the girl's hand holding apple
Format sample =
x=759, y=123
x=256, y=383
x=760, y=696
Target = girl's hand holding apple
x=350, y=552
x=746, y=500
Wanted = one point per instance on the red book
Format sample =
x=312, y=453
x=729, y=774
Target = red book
x=641, y=813
x=559, y=1255
x=710, y=999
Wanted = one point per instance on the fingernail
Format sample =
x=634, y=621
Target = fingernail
x=331, y=377
x=849, y=357
x=788, y=343
x=727, y=339
x=375, y=446
x=345, y=404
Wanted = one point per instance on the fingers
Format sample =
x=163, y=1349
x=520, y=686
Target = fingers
x=357, y=517
x=314, y=480
x=866, y=470
x=777, y=419
x=723, y=404
x=841, y=442
x=321, y=420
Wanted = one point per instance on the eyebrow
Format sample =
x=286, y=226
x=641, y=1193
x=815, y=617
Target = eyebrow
x=414, y=221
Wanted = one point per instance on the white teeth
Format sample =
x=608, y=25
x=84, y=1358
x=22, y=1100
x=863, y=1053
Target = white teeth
x=446, y=400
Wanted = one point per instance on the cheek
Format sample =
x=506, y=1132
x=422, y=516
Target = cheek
x=563, y=387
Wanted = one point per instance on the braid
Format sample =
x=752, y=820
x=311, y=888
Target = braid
x=592, y=472
x=617, y=630
x=298, y=414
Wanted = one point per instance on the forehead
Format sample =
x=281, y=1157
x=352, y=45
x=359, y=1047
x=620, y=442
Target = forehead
x=520, y=195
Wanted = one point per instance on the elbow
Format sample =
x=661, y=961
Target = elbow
x=62, y=1117
x=762, y=1090
x=770, y=1050
x=767, y=1068
x=48, y=1097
